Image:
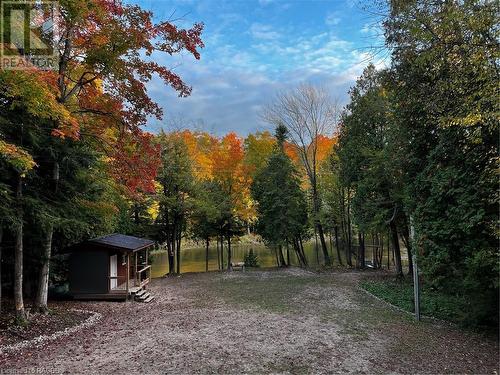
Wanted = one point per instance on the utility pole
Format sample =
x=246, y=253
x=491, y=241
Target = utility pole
x=416, y=285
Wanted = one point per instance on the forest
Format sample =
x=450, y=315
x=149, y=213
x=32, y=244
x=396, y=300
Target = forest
x=411, y=161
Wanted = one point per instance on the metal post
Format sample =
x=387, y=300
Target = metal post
x=416, y=284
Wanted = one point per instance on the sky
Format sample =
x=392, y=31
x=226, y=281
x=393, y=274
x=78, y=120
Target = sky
x=256, y=49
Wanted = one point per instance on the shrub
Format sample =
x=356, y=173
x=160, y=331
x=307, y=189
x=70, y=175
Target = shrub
x=251, y=260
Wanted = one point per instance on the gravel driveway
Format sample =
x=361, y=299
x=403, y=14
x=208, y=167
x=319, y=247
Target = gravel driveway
x=286, y=321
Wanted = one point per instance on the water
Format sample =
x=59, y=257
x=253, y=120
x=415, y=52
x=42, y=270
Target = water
x=193, y=259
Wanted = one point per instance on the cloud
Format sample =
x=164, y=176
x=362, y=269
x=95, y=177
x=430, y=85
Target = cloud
x=229, y=98
x=266, y=32
x=332, y=19
x=249, y=57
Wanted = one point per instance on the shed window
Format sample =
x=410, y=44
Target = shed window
x=124, y=259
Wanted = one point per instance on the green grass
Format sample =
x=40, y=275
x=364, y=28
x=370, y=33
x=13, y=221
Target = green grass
x=273, y=294
x=432, y=303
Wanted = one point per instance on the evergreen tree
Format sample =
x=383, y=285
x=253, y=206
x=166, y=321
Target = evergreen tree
x=282, y=207
x=366, y=156
x=445, y=100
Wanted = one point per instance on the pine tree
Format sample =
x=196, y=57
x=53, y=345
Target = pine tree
x=282, y=207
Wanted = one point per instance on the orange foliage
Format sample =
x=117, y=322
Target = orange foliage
x=200, y=146
x=325, y=146
x=229, y=169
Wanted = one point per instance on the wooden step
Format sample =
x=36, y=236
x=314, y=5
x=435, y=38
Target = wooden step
x=140, y=293
x=143, y=296
x=135, y=289
x=149, y=299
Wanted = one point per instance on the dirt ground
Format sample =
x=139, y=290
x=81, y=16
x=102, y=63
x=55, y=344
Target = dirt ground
x=287, y=321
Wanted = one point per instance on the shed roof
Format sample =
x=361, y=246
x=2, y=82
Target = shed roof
x=122, y=242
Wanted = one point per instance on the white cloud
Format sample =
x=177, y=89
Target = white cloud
x=235, y=79
x=332, y=19
x=266, y=32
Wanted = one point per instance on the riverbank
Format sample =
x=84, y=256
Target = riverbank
x=188, y=244
x=264, y=321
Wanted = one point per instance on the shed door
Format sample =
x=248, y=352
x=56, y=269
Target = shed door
x=113, y=270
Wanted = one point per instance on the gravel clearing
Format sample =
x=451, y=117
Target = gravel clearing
x=267, y=321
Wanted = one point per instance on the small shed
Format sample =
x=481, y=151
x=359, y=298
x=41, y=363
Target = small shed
x=109, y=267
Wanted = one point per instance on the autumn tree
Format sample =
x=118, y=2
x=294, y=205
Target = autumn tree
x=258, y=147
x=229, y=171
x=101, y=86
x=208, y=213
x=307, y=112
x=175, y=193
x=102, y=76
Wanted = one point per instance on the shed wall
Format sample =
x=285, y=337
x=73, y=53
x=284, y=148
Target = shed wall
x=89, y=271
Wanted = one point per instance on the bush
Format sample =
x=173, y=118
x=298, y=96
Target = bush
x=251, y=260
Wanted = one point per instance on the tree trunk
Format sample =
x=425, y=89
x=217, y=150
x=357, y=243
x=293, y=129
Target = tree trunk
x=380, y=240
x=282, y=258
x=178, y=250
x=297, y=252
x=171, y=251
x=397, y=250
x=43, y=283
x=206, y=254
x=171, y=269
x=222, y=251
x=287, y=253
x=343, y=226
x=296, y=247
x=302, y=251
x=319, y=227
x=218, y=253
x=326, y=256
x=349, y=231
x=169, y=230
x=410, y=259
x=389, y=251
x=316, y=246
x=336, y=229
x=18, y=257
x=362, y=251
x=1, y=237
x=330, y=240
x=229, y=260
x=406, y=239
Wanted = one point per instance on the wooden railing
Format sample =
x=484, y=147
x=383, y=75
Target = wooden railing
x=120, y=283
x=143, y=276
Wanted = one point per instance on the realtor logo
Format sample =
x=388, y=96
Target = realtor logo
x=28, y=30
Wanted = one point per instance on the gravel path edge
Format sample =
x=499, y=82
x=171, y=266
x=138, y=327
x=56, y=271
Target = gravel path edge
x=40, y=340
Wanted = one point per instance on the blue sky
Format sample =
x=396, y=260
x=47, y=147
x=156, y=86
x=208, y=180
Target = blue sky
x=254, y=49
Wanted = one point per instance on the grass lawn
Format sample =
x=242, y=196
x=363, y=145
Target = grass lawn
x=432, y=303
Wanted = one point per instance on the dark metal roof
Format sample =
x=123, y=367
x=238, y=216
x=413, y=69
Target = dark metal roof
x=122, y=242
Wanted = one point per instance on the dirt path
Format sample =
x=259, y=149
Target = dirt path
x=289, y=321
